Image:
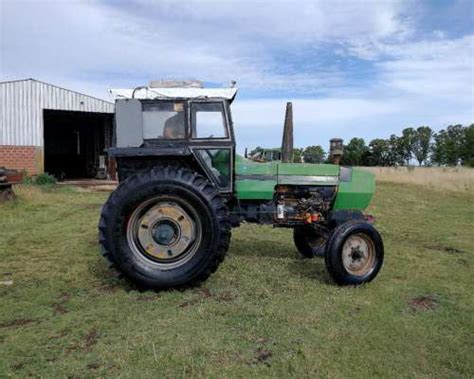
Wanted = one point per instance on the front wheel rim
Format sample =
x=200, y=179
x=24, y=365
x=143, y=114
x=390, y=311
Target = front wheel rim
x=358, y=255
x=165, y=232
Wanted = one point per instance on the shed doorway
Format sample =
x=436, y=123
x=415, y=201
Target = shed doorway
x=74, y=144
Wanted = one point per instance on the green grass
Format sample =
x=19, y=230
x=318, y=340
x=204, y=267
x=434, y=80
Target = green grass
x=266, y=312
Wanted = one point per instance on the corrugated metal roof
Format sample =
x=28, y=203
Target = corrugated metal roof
x=22, y=103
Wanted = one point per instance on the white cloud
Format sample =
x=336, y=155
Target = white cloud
x=213, y=41
x=441, y=69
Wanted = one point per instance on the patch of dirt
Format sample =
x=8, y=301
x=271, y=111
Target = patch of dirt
x=147, y=297
x=354, y=311
x=204, y=293
x=107, y=287
x=446, y=249
x=262, y=355
x=18, y=366
x=59, y=309
x=424, y=303
x=18, y=322
x=59, y=305
x=463, y=262
x=63, y=333
x=93, y=366
x=224, y=296
x=90, y=339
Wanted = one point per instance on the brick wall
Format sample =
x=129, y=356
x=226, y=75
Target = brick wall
x=29, y=158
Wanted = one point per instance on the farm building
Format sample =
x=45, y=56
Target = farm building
x=46, y=128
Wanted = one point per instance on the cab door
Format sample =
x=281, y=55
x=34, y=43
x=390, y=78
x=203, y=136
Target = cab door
x=212, y=141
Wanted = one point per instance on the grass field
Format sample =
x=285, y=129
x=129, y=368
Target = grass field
x=459, y=179
x=266, y=312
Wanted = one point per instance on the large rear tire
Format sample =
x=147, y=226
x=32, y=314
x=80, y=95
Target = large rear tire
x=354, y=253
x=165, y=228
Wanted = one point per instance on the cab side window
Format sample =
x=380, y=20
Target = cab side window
x=208, y=121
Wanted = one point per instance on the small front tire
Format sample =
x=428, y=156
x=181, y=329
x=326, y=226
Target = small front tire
x=354, y=253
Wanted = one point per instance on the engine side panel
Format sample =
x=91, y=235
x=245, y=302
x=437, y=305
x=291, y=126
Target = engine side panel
x=356, y=193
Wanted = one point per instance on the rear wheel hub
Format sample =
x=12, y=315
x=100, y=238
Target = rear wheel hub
x=164, y=232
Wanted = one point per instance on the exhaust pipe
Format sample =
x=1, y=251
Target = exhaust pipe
x=287, y=142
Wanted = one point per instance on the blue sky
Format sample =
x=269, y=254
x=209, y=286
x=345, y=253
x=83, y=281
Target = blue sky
x=351, y=68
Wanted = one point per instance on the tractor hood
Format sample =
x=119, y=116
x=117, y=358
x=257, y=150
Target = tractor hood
x=287, y=173
x=307, y=174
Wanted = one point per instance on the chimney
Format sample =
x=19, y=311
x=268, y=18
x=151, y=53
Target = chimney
x=287, y=142
x=336, y=148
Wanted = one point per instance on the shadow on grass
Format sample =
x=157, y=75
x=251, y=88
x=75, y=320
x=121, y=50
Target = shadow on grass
x=262, y=248
x=108, y=279
x=314, y=269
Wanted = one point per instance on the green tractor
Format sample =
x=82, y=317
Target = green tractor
x=183, y=188
x=265, y=155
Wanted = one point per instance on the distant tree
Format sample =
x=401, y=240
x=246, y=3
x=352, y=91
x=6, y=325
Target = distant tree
x=405, y=144
x=313, y=154
x=421, y=143
x=354, y=152
x=297, y=155
x=455, y=141
x=467, y=152
x=394, y=151
x=449, y=145
x=380, y=152
x=438, y=148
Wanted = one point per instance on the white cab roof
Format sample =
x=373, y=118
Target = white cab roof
x=173, y=93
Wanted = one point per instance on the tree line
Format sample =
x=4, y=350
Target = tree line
x=451, y=146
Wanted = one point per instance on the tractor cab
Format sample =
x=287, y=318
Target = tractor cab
x=184, y=124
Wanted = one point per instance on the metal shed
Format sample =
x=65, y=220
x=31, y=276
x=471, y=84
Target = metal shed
x=44, y=127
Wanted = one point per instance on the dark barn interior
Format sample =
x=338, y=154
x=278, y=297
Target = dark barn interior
x=74, y=143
